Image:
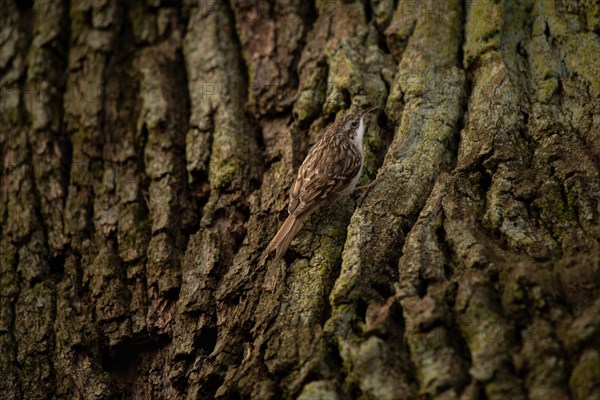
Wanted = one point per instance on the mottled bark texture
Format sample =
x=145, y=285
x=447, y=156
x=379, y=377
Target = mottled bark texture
x=147, y=148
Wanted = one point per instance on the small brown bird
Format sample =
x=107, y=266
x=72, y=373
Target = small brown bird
x=330, y=171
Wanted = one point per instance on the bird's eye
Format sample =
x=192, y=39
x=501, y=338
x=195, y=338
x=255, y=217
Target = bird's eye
x=354, y=124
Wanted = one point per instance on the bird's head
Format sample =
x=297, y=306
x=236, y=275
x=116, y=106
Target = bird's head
x=352, y=125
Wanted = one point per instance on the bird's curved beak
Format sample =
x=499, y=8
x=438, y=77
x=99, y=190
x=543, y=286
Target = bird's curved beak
x=368, y=110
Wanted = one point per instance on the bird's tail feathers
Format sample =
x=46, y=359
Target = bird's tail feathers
x=283, y=238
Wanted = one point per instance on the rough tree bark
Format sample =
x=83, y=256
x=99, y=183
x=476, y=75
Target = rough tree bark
x=147, y=149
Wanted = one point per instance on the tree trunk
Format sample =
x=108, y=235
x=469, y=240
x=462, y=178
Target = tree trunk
x=147, y=149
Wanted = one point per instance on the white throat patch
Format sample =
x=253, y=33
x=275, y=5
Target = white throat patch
x=360, y=133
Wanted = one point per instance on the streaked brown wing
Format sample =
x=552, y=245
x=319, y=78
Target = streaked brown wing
x=323, y=176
